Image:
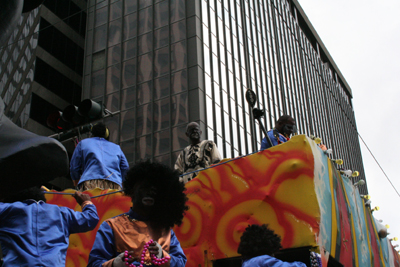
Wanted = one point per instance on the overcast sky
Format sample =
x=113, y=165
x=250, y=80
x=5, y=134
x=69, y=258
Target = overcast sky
x=363, y=38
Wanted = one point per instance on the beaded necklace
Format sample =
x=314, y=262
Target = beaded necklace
x=154, y=259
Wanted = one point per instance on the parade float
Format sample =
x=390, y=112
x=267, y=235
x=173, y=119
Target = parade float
x=294, y=187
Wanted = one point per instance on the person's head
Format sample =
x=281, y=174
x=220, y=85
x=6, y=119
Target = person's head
x=34, y=193
x=156, y=193
x=286, y=125
x=100, y=130
x=258, y=240
x=193, y=132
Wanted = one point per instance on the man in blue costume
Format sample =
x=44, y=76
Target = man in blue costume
x=97, y=162
x=34, y=233
x=159, y=203
x=258, y=245
x=284, y=127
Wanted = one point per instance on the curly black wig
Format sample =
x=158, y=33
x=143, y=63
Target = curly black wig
x=258, y=240
x=170, y=204
x=34, y=193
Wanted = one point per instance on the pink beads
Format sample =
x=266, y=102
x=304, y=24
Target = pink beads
x=154, y=259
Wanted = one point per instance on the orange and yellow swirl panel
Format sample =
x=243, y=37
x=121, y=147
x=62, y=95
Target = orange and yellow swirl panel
x=293, y=187
x=275, y=186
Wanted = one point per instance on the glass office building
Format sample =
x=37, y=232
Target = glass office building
x=17, y=68
x=165, y=63
x=42, y=63
x=160, y=64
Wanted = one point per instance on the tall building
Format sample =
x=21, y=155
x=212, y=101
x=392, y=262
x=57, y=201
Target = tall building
x=164, y=63
x=42, y=63
x=161, y=64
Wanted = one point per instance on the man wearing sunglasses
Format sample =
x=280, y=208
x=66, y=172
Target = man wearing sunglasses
x=284, y=127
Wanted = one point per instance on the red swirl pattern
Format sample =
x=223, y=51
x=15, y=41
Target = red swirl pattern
x=257, y=189
x=275, y=186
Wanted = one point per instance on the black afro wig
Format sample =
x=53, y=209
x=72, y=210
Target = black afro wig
x=258, y=240
x=170, y=204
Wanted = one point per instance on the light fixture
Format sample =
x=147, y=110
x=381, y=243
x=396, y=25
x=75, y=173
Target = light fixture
x=366, y=196
x=361, y=182
x=328, y=151
x=387, y=226
x=393, y=239
x=317, y=140
x=368, y=202
x=375, y=209
x=338, y=161
x=395, y=246
x=355, y=174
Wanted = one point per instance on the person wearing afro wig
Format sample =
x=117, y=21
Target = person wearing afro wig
x=97, y=162
x=143, y=235
x=258, y=245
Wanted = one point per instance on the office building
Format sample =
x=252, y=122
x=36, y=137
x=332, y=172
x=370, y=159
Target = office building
x=161, y=64
x=42, y=63
x=166, y=63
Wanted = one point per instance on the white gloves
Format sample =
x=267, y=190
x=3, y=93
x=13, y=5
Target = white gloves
x=119, y=260
x=160, y=251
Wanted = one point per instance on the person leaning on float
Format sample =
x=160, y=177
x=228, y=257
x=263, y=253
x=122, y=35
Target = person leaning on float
x=97, y=162
x=285, y=126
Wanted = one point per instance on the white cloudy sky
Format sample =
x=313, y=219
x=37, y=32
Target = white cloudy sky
x=363, y=38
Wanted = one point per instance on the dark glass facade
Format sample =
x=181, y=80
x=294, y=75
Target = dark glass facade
x=42, y=64
x=166, y=63
x=136, y=62
x=17, y=68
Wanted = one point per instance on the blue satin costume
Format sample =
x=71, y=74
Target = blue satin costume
x=105, y=247
x=97, y=158
x=265, y=144
x=37, y=234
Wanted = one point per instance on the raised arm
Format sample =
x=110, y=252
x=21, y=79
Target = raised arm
x=84, y=221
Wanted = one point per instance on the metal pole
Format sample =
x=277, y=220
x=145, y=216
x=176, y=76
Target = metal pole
x=71, y=132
